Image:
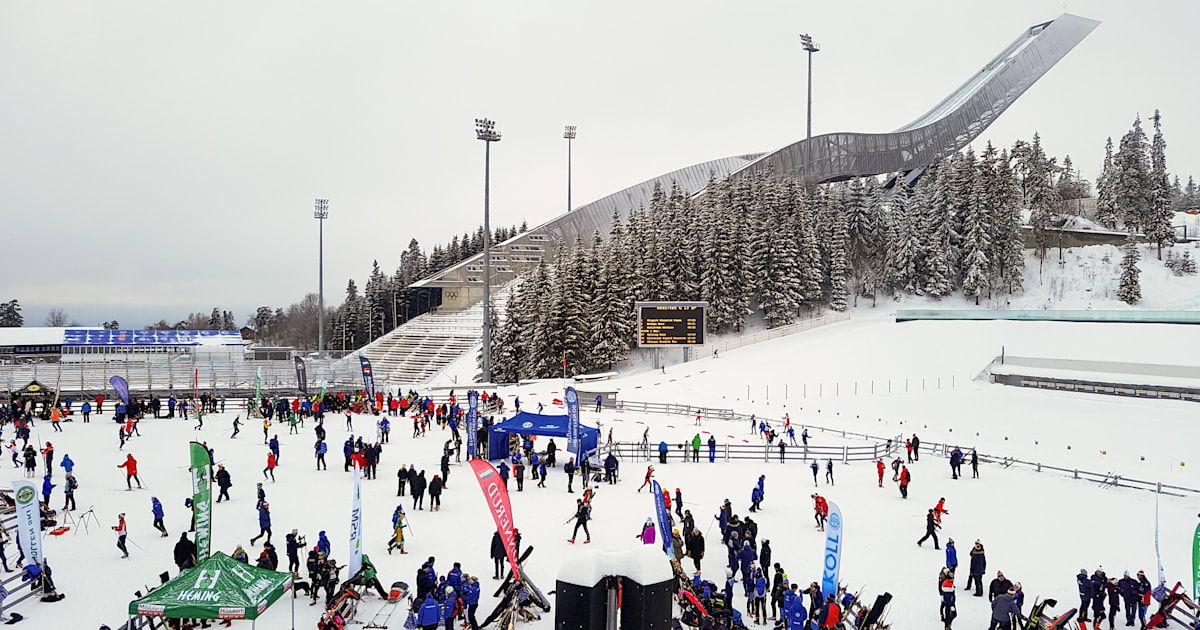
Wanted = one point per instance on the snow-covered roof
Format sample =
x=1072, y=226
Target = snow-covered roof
x=644, y=564
x=51, y=336
x=32, y=336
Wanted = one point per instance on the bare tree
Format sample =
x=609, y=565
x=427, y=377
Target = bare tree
x=58, y=318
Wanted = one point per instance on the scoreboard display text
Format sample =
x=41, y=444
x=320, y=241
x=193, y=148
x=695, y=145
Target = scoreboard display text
x=670, y=323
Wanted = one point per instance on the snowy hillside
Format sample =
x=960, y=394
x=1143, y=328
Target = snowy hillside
x=1085, y=278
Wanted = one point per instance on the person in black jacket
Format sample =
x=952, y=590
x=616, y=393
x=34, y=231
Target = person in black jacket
x=1128, y=587
x=998, y=586
x=295, y=542
x=401, y=477
x=435, y=494
x=569, y=469
x=1085, y=593
x=497, y=555
x=418, y=490
x=695, y=547
x=185, y=553
x=764, y=555
x=978, y=567
x=223, y=482
x=931, y=527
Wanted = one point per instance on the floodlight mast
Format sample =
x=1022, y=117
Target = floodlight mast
x=485, y=130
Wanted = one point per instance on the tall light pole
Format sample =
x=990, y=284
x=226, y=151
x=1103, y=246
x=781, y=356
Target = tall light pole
x=569, y=134
x=320, y=213
x=486, y=130
x=811, y=47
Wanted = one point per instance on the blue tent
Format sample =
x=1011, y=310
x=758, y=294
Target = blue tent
x=526, y=423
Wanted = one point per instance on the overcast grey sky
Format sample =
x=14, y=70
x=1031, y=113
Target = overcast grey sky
x=158, y=158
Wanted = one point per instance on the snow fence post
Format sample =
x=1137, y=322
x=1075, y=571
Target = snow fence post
x=1158, y=487
x=767, y=453
x=845, y=454
x=726, y=451
x=1076, y=473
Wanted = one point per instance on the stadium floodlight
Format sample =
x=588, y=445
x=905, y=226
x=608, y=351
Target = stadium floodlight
x=485, y=130
x=569, y=134
x=811, y=47
x=320, y=213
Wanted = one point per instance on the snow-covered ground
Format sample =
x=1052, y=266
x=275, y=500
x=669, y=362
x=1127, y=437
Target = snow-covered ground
x=1023, y=518
x=869, y=375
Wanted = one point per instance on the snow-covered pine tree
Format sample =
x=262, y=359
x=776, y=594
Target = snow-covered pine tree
x=1187, y=264
x=938, y=232
x=962, y=186
x=506, y=346
x=803, y=230
x=861, y=227
x=214, y=320
x=977, y=229
x=1132, y=178
x=838, y=271
x=1007, y=252
x=1158, y=222
x=1130, y=291
x=613, y=314
x=906, y=252
x=375, y=296
x=574, y=285
x=715, y=264
x=1035, y=174
x=1107, y=213
x=540, y=354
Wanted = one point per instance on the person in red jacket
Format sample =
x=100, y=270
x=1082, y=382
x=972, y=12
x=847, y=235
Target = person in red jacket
x=831, y=613
x=940, y=509
x=880, y=468
x=130, y=467
x=820, y=511
x=99, y=404
x=270, y=466
x=905, y=478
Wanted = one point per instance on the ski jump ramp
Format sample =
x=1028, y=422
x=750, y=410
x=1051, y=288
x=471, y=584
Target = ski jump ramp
x=943, y=130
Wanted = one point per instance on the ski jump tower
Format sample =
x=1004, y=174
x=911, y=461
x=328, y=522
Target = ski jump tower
x=943, y=130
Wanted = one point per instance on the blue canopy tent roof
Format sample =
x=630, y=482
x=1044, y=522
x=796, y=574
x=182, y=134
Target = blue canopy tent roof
x=525, y=423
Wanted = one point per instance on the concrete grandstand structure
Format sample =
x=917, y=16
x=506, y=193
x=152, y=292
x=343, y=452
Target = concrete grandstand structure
x=945, y=129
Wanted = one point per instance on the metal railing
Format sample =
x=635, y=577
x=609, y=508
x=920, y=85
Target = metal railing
x=891, y=444
x=638, y=451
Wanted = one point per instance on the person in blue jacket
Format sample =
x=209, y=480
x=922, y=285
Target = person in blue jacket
x=728, y=592
x=951, y=556
x=171, y=402
x=321, y=450
x=760, y=598
x=470, y=600
x=323, y=543
x=662, y=452
x=796, y=614
x=264, y=522
x=429, y=614
x=504, y=473
x=454, y=577
x=712, y=449
x=533, y=464
x=157, y=508
x=87, y=411
x=451, y=607
x=756, y=496
x=274, y=446
x=47, y=488
x=67, y=464
x=746, y=557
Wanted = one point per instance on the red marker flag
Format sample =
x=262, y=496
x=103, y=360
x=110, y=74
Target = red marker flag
x=498, y=504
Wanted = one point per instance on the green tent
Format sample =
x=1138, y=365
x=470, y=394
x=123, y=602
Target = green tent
x=220, y=588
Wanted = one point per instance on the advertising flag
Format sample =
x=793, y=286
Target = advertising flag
x=664, y=521
x=573, y=433
x=1196, y=564
x=301, y=377
x=831, y=567
x=29, y=519
x=356, y=522
x=472, y=423
x=257, y=389
x=201, y=469
x=496, y=496
x=121, y=387
x=368, y=377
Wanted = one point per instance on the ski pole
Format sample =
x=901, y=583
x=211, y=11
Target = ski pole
x=130, y=541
